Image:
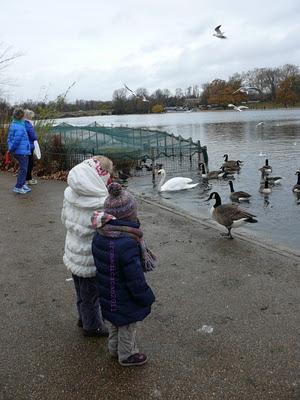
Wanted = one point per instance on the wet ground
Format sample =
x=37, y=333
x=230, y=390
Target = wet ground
x=245, y=292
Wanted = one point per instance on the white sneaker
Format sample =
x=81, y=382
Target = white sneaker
x=32, y=182
x=19, y=190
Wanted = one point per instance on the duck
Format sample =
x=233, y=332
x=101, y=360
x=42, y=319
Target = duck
x=238, y=196
x=296, y=188
x=266, y=169
x=229, y=215
x=177, y=183
x=211, y=174
x=265, y=188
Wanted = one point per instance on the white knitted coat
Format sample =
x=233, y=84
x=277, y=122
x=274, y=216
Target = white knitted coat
x=85, y=194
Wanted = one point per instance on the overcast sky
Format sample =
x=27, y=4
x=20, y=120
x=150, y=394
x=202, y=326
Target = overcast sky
x=153, y=44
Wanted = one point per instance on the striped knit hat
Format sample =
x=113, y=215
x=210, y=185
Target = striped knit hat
x=120, y=203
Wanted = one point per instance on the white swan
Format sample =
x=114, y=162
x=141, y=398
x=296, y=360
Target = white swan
x=178, y=183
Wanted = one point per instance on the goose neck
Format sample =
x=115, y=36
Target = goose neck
x=218, y=200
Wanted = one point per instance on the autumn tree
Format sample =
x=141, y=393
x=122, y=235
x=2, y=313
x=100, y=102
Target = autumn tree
x=286, y=93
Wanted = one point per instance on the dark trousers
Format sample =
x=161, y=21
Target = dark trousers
x=23, y=165
x=30, y=167
x=88, y=304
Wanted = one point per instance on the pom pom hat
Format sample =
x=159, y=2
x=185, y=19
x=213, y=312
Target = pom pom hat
x=120, y=203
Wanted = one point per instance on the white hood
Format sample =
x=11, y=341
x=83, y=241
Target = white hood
x=86, y=188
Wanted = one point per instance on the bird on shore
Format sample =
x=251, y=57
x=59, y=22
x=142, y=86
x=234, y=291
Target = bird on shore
x=123, y=176
x=237, y=108
x=218, y=33
x=266, y=169
x=238, y=196
x=229, y=215
x=296, y=188
x=173, y=184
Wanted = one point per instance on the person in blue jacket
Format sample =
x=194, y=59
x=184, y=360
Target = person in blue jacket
x=18, y=144
x=125, y=296
x=29, y=115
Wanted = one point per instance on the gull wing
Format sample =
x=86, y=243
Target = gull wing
x=126, y=87
x=217, y=29
x=238, y=90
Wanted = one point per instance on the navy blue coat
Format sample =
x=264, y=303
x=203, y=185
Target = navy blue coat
x=31, y=133
x=125, y=296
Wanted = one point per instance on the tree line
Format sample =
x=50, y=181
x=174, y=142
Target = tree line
x=278, y=86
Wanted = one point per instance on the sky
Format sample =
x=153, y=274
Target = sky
x=157, y=44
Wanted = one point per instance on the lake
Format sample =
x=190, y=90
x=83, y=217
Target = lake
x=236, y=134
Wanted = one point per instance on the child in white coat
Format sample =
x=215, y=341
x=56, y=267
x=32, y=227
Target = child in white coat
x=85, y=194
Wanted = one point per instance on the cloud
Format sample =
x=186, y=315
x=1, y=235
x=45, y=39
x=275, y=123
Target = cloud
x=169, y=44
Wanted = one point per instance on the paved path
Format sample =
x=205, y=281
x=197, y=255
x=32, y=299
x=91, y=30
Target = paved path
x=247, y=293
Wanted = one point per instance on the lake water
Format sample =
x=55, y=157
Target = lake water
x=236, y=134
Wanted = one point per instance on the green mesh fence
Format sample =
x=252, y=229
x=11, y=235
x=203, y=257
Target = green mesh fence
x=140, y=145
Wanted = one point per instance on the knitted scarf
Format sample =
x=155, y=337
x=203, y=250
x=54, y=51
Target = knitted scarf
x=100, y=222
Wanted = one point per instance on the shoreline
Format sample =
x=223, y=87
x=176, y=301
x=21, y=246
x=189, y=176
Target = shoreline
x=247, y=294
x=243, y=234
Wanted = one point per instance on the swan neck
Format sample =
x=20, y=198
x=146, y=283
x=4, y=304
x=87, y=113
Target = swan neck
x=162, y=179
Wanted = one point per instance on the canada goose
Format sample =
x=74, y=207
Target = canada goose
x=229, y=215
x=264, y=188
x=296, y=188
x=232, y=168
x=272, y=180
x=123, y=176
x=227, y=162
x=238, y=196
x=178, y=183
x=211, y=174
x=266, y=169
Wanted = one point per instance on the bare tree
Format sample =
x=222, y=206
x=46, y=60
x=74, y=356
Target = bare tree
x=7, y=55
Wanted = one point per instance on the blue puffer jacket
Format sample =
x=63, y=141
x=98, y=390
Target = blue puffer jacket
x=31, y=133
x=17, y=141
x=125, y=296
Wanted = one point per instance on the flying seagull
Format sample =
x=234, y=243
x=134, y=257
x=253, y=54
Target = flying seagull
x=126, y=87
x=246, y=89
x=259, y=124
x=134, y=94
x=237, y=108
x=218, y=33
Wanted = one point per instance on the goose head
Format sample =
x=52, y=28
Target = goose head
x=215, y=196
